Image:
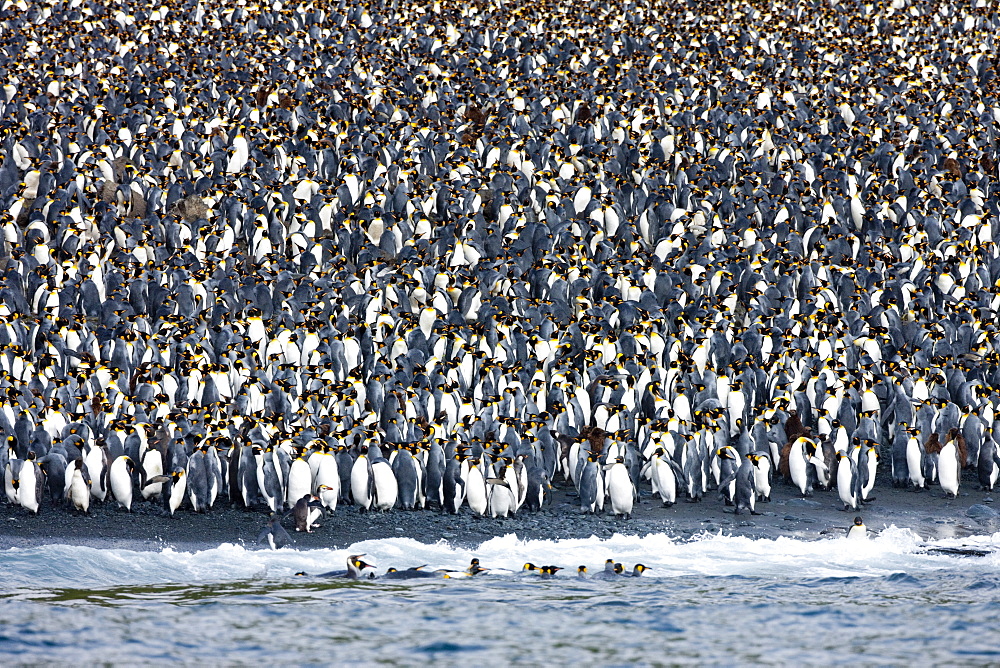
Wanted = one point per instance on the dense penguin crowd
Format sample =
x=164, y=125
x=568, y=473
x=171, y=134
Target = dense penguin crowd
x=439, y=254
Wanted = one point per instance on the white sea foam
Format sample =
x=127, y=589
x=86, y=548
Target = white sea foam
x=891, y=551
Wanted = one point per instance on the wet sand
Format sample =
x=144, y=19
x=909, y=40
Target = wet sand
x=149, y=527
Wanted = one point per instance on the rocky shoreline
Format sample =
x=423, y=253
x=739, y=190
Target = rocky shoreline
x=148, y=527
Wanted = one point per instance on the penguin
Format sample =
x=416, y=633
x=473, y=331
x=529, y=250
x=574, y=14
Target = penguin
x=949, y=469
x=868, y=481
x=30, y=484
x=356, y=569
x=477, y=490
x=385, y=487
x=915, y=461
x=453, y=487
x=78, y=485
x=326, y=479
x=620, y=488
x=581, y=572
x=151, y=462
x=408, y=479
x=274, y=534
x=412, y=573
x=120, y=478
x=306, y=511
x=848, y=482
x=300, y=481
x=362, y=483
x=536, y=483
x=638, y=570
x=761, y=475
x=197, y=481
x=502, y=502
x=728, y=461
x=801, y=454
x=744, y=492
x=858, y=529
x=269, y=479
x=177, y=490
x=988, y=464
x=12, y=473
x=591, y=486
x=663, y=474
x=612, y=570
x=97, y=463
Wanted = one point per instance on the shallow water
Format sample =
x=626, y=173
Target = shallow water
x=715, y=599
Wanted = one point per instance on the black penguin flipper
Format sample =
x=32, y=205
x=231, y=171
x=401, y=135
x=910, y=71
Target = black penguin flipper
x=262, y=536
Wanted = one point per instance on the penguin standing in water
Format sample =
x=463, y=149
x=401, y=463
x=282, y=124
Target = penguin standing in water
x=858, y=529
x=121, y=481
x=306, y=511
x=274, y=534
x=620, y=488
x=77, y=489
x=848, y=482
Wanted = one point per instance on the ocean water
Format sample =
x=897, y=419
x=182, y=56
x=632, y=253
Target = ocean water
x=714, y=599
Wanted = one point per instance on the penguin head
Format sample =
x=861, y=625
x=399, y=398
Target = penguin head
x=639, y=568
x=529, y=567
x=858, y=522
x=581, y=570
x=619, y=569
x=551, y=570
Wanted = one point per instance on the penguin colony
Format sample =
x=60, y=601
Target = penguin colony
x=435, y=254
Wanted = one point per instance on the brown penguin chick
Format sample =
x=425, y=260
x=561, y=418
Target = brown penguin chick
x=595, y=436
x=933, y=445
x=963, y=453
x=786, y=452
x=951, y=166
x=794, y=427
